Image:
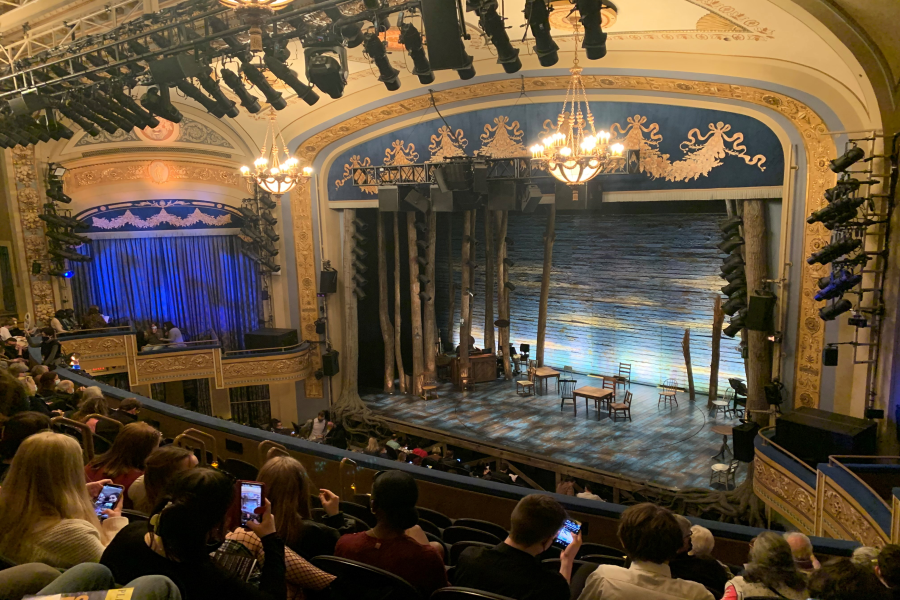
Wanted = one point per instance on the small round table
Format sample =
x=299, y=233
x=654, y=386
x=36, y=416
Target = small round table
x=724, y=431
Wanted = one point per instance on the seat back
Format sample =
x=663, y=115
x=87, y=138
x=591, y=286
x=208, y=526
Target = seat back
x=491, y=528
x=461, y=593
x=670, y=386
x=429, y=527
x=364, y=582
x=567, y=369
x=733, y=466
x=359, y=511
x=135, y=515
x=591, y=548
x=240, y=469
x=457, y=549
x=625, y=370
x=454, y=534
x=602, y=559
x=438, y=518
x=608, y=384
x=628, y=398
x=567, y=388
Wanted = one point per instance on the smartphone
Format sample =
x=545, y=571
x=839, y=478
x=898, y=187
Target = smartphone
x=251, y=498
x=567, y=532
x=107, y=499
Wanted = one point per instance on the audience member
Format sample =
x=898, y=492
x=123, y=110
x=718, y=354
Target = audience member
x=771, y=572
x=512, y=568
x=151, y=338
x=802, y=551
x=319, y=424
x=92, y=405
x=651, y=537
x=37, y=370
x=11, y=349
x=865, y=556
x=702, y=544
x=888, y=568
x=51, y=349
x=46, y=393
x=70, y=322
x=126, y=413
x=373, y=448
x=702, y=568
x=159, y=468
x=274, y=425
x=15, y=430
x=842, y=579
x=193, y=513
x=58, y=321
x=93, y=319
x=13, y=396
x=393, y=442
x=172, y=335
x=588, y=493
x=65, y=394
x=43, y=580
x=11, y=329
x=20, y=372
x=124, y=462
x=387, y=545
x=288, y=488
x=46, y=511
x=568, y=486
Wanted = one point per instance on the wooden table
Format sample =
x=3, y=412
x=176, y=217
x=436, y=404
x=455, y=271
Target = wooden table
x=598, y=395
x=543, y=374
x=724, y=431
x=482, y=368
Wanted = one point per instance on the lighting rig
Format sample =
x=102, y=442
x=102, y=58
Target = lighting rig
x=258, y=239
x=732, y=271
x=60, y=227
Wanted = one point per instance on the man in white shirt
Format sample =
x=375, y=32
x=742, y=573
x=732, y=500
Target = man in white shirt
x=318, y=428
x=588, y=493
x=651, y=537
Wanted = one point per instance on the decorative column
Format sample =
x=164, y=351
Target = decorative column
x=301, y=210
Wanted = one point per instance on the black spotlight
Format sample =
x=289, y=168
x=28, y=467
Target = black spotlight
x=256, y=77
x=832, y=311
x=730, y=224
x=594, y=43
x=492, y=24
x=212, y=88
x=728, y=246
x=325, y=69
x=412, y=40
x=191, y=91
x=284, y=73
x=352, y=32
x=834, y=251
x=538, y=17
x=388, y=75
x=848, y=158
x=158, y=101
x=248, y=100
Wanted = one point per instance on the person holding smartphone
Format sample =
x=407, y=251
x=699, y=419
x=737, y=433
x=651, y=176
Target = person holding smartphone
x=47, y=511
x=512, y=568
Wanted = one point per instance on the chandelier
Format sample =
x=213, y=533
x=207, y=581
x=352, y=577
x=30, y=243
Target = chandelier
x=254, y=13
x=576, y=152
x=284, y=173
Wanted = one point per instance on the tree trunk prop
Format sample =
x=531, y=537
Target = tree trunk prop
x=489, y=344
x=759, y=349
x=466, y=304
x=549, y=238
x=401, y=374
x=502, y=292
x=451, y=306
x=718, y=320
x=686, y=349
x=430, y=328
x=415, y=304
x=384, y=317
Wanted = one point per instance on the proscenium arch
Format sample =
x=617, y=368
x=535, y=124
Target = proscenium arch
x=818, y=146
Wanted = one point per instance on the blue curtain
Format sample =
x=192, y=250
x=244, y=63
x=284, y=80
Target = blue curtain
x=199, y=283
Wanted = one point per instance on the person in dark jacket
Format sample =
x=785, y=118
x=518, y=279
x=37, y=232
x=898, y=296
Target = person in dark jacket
x=702, y=568
x=126, y=413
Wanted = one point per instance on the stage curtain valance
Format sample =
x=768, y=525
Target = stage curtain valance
x=202, y=284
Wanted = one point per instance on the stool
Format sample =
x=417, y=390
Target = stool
x=463, y=383
x=429, y=392
x=721, y=405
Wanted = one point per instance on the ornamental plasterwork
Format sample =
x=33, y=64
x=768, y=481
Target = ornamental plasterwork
x=851, y=520
x=818, y=146
x=189, y=131
x=156, y=366
x=157, y=171
x=94, y=348
x=503, y=139
x=445, y=143
x=277, y=367
x=790, y=491
x=160, y=218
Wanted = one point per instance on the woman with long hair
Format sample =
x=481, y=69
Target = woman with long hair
x=124, y=462
x=159, y=468
x=771, y=572
x=46, y=511
x=288, y=488
x=194, y=513
x=91, y=405
x=13, y=395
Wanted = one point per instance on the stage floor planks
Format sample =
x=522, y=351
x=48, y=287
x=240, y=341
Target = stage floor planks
x=672, y=447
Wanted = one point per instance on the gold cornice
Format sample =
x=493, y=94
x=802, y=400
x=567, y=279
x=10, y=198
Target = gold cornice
x=157, y=171
x=818, y=146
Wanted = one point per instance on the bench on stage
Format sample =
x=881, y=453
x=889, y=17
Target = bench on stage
x=482, y=367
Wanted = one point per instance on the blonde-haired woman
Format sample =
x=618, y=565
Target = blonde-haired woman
x=46, y=511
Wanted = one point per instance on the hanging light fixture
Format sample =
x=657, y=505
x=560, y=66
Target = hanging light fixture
x=576, y=153
x=276, y=171
x=254, y=13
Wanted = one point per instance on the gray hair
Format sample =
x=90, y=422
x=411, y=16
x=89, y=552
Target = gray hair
x=91, y=392
x=864, y=556
x=66, y=386
x=702, y=540
x=801, y=546
x=772, y=564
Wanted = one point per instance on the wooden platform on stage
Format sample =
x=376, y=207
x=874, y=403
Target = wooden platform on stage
x=667, y=447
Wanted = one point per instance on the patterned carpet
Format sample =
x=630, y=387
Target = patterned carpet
x=670, y=446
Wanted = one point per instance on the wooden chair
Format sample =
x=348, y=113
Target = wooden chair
x=363, y=582
x=722, y=406
x=624, y=375
x=429, y=388
x=667, y=394
x=567, y=392
x=526, y=385
x=610, y=384
x=621, y=407
x=722, y=473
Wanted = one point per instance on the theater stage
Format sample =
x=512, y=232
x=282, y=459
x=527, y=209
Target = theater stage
x=670, y=447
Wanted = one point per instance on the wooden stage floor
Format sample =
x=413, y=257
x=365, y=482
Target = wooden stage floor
x=671, y=447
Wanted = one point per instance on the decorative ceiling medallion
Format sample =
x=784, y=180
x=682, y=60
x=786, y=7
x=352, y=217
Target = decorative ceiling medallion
x=564, y=18
x=158, y=171
x=714, y=22
x=165, y=131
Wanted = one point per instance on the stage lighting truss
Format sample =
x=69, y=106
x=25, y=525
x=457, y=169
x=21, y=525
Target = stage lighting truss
x=258, y=232
x=276, y=171
x=60, y=228
x=357, y=240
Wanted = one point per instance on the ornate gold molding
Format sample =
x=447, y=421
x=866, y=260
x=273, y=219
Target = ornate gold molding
x=842, y=514
x=96, y=348
x=153, y=171
x=250, y=371
x=819, y=150
x=784, y=492
x=301, y=211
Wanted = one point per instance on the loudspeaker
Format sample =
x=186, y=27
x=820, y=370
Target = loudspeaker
x=441, y=201
x=388, y=198
x=742, y=439
x=479, y=178
x=501, y=195
x=759, y=312
x=330, y=363
x=415, y=200
x=445, y=46
x=328, y=282
x=874, y=413
x=320, y=326
x=531, y=197
x=270, y=337
x=813, y=435
x=174, y=69
x=28, y=103
x=830, y=356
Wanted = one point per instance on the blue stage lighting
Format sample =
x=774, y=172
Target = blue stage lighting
x=68, y=274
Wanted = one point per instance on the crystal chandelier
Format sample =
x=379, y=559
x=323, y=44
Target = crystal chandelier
x=572, y=154
x=283, y=174
x=254, y=13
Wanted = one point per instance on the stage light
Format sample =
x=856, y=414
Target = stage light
x=733, y=305
x=248, y=100
x=268, y=218
x=833, y=251
x=847, y=159
x=388, y=75
x=67, y=273
x=424, y=297
x=359, y=293
x=360, y=280
x=351, y=33
x=422, y=262
x=57, y=130
x=359, y=267
x=191, y=91
x=492, y=24
x=250, y=236
x=730, y=224
x=265, y=199
x=509, y=262
x=68, y=255
x=732, y=263
x=422, y=227
x=269, y=247
x=836, y=287
x=212, y=88
x=736, y=275
x=248, y=214
x=326, y=63
x=270, y=233
x=509, y=285
x=360, y=224
x=857, y=320
x=270, y=265
x=284, y=73
x=359, y=239
x=836, y=212
x=843, y=188
x=470, y=293
x=538, y=17
x=55, y=192
x=127, y=101
x=360, y=253
x=158, y=101
x=729, y=245
x=422, y=244
x=594, y=43
x=832, y=311
x=412, y=41
x=66, y=222
x=734, y=286
x=256, y=77
x=69, y=239
x=249, y=253
x=423, y=280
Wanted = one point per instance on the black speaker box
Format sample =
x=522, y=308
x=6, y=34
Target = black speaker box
x=501, y=194
x=441, y=201
x=445, y=46
x=742, y=439
x=270, y=337
x=830, y=356
x=388, y=198
x=759, y=312
x=173, y=69
x=330, y=363
x=813, y=435
x=328, y=282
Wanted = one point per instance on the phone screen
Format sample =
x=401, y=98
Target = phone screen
x=251, y=499
x=567, y=532
x=107, y=499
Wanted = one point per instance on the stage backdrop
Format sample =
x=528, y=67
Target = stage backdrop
x=200, y=283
